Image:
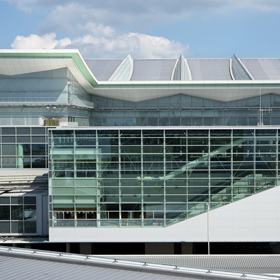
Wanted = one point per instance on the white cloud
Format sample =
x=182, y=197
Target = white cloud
x=81, y=19
x=25, y=5
x=74, y=18
x=136, y=44
x=88, y=25
x=95, y=29
x=34, y=41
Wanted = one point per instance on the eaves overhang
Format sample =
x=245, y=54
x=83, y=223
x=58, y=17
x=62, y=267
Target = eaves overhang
x=41, y=59
x=224, y=91
x=209, y=83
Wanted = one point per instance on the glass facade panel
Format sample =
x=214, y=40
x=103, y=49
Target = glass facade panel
x=186, y=111
x=18, y=215
x=159, y=176
x=5, y=227
x=17, y=150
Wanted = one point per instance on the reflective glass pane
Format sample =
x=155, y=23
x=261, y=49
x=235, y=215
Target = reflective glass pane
x=4, y=227
x=4, y=212
x=4, y=200
x=38, y=149
x=17, y=212
x=30, y=227
x=30, y=212
x=17, y=227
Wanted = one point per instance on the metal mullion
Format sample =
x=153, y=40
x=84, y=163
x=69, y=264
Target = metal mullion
x=164, y=181
x=254, y=152
x=119, y=179
x=23, y=220
x=187, y=176
x=10, y=215
x=277, y=158
x=1, y=144
x=231, y=164
x=142, y=175
x=97, y=181
x=209, y=167
x=74, y=179
x=50, y=147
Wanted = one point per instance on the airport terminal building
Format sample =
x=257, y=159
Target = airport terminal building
x=170, y=151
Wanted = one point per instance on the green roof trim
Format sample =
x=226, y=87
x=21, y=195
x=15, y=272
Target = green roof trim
x=192, y=85
x=75, y=56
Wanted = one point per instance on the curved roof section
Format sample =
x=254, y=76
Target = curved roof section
x=152, y=69
x=209, y=69
x=103, y=69
x=263, y=68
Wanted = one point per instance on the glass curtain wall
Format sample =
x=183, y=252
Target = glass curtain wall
x=46, y=94
x=152, y=178
x=183, y=110
x=24, y=147
x=18, y=215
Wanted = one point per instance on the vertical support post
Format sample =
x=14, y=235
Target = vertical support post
x=19, y=156
x=260, y=110
x=164, y=173
x=120, y=178
x=209, y=190
x=68, y=249
x=208, y=228
x=141, y=182
x=231, y=165
x=69, y=92
x=187, y=174
x=98, y=161
x=277, y=158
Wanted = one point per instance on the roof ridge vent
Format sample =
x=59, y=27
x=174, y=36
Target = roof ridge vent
x=238, y=69
x=124, y=70
x=181, y=71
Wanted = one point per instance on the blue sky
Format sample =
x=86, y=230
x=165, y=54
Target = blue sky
x=144, y=29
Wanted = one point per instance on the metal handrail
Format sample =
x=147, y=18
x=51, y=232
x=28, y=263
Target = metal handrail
x=130, y=264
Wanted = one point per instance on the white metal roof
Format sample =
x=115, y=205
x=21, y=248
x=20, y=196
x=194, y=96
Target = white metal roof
x=150, y=79
x=263, y=68
x=210, y=69
x=152, y=69
x=103, y=68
